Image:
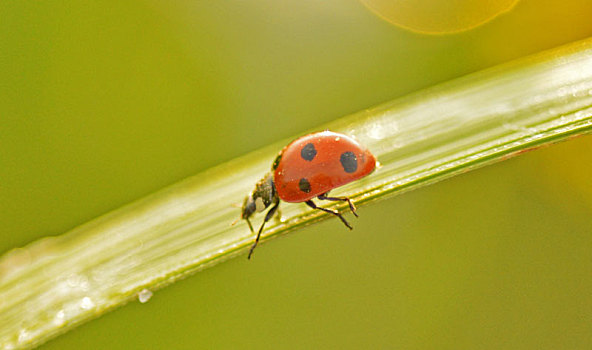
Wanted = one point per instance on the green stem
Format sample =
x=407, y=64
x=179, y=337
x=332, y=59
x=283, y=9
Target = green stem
x=56, y=283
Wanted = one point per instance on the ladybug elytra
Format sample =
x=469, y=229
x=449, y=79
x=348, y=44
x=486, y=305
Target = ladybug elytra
x=309, y=167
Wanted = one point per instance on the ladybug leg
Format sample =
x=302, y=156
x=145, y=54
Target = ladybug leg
x=268, y=217
x=250, y=226
x=311, y=204
x=352, y=207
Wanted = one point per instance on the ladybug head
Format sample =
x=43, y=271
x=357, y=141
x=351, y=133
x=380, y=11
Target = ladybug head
x=262, y=197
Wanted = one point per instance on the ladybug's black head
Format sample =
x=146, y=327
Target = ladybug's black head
x=262, y=197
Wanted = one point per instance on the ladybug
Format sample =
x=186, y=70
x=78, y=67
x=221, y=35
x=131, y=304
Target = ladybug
x=309, y=167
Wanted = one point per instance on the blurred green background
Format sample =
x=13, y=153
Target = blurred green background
x=104, y=102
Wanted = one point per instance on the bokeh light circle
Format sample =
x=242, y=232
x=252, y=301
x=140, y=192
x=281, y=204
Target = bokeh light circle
x=438, y=16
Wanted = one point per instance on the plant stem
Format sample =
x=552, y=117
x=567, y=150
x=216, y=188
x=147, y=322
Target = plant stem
x=54, y=284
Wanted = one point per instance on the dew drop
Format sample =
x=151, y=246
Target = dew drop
x=59, y=318
x=144, y=295
x=87, y=303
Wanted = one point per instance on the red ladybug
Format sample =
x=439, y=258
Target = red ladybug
x=309, y=167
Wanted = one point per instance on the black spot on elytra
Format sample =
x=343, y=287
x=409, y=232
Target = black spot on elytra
x=349, y=162
x=308, y=152
x=304, y=185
